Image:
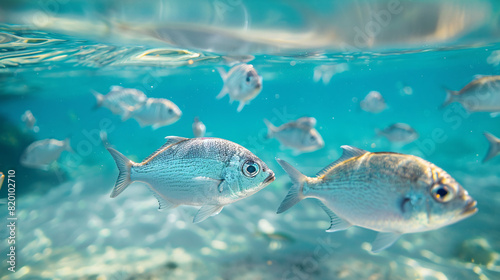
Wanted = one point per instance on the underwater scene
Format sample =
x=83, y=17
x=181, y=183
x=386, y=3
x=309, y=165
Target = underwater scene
x=238, y=139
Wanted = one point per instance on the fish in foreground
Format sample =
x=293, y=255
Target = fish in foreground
x=390, y=193
x=40, y=154
x=199, y=128
x=156, y=112
x=299, y=135
x=30, y=121
x=399, y=133
x=206, y=172
x=242, y=83
x=120, y=101
x=480, y=95
x=373, y=102
x=494, y=148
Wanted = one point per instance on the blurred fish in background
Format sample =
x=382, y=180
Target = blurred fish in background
x=299, y=135
x=156, y=112
x=242, y=83
x=121, y=101
x=30, y=121
x=373, y=103
x=480, y=95
x=199, y=128
x=42, y=153
x=398, y=133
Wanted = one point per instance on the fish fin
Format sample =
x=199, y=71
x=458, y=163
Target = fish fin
x=115, y=88
x=210, y=181
x=384, y=240
x=124, y=166
x=494, y=148
x=99, y=98
x=156, y=126
x=207, y=211
x=222, y=92
x=222, y=73
x=170, y=141
x=67, y=145
x=479, y=76
x=295, y=194
x=336, y=223
x=450, y=94
x=307, y=122
x=127, y=115
x=3, y=201
x=240, y=106
x=104, y=138
x=347, y=153
x=296, y=152
x=271, y=129
x=163, y=203
x=494, y=114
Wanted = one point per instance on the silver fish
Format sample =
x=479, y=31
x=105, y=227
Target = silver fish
x=40, y=154
x=299, y=135
x=156, y=112
x=29, y=120
x=399, y=133
x=390, y=193
x=199, y=128
x=480, y=95
x=373, y=102
x=242, y=83
x=120, y=101
x=206, y=172
x=494, y=148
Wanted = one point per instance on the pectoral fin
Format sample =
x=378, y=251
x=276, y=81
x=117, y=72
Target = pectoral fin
x=240, y=106
x=384, y=240
x=336, y=223
x=207, y=211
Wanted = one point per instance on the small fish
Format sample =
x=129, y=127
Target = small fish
x=30, y=121
x=199, y=128
x=206, y=172
x=494, y=148
x=242, y=83
x=373, y=103
x=156, y=112
x=120, y=101
x=399, y=133
x=390, y=193
x=299, y=135
x=480, y=95
x=40, y=154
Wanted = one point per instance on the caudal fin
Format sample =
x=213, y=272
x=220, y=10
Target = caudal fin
x=295, y=194
x=494, y=148
x=67, y=145
x=270, y=128
x=450, y=97
x=99, y=98
x=124, y=166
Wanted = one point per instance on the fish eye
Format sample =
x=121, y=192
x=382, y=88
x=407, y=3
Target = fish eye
x=442, y=193
x=170, y=111
x=248, y=79
x=250, y=168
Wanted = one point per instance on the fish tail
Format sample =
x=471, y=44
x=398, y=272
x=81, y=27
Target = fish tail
x=270, y=128
x=222, y=73
x=494, y=148
x=449, y=97
x=295, y=194
x=99, y=97
x=124, y=166
x=67, y=145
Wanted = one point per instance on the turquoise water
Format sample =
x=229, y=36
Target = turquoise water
x=69, y=228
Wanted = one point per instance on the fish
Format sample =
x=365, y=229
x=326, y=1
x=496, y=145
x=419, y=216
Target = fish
x=399, y=133
x=121, y=101
x=206, y=172
x=199, y=128
x=480, y=95
x=326, y=72
x=40, y=154
x=242, y=83
x=373, y=103
x=156, y=112
x=299, y=135
x=391, y=193
x=30, y=121
x=494, y=148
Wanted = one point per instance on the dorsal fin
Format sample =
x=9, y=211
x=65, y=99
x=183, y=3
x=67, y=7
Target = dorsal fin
x=307, y=122
x=347, y=153
x=170, y=140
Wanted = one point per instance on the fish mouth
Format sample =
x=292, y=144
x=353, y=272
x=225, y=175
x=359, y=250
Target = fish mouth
x=269, y=178
x=470, y=208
